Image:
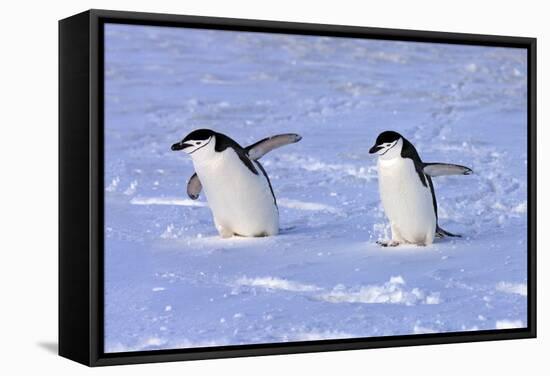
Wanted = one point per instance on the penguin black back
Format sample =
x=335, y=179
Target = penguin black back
x=409, y=151
x=223, y=142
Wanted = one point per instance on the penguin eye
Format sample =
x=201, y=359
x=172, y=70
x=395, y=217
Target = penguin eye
x=198, y=142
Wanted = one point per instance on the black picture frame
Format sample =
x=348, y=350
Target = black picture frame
x=81, y=187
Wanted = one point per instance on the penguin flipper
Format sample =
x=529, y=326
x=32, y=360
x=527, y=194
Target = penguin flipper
x=442, y=169
x=194, y=187
x=262, y=147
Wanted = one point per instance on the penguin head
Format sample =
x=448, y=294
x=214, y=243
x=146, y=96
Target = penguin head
x=199, y=143
x=388, y=145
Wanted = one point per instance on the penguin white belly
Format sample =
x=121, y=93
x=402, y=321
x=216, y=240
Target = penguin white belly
x=241, y=201
x=407, y=202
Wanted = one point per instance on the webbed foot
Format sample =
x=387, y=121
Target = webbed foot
x=388, y=243
x=224, y=233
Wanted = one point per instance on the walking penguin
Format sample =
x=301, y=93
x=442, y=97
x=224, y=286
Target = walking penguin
x=236, y=185
x=407, y=191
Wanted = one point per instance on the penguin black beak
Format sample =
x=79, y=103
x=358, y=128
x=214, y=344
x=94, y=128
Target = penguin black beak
x=180, y=146
x=374, y=149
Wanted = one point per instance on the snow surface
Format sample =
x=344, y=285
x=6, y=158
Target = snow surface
x=171, y=282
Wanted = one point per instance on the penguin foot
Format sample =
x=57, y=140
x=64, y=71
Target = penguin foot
x=225, y=233
x=388, y=243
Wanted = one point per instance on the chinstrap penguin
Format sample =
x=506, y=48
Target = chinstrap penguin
x=407, y=191
x=236, y=185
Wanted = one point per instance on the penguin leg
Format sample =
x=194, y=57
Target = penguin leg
x=396, y=238
x=223, y=231
x=429, y=238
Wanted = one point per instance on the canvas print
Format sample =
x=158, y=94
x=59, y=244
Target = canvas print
x=269, y=188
